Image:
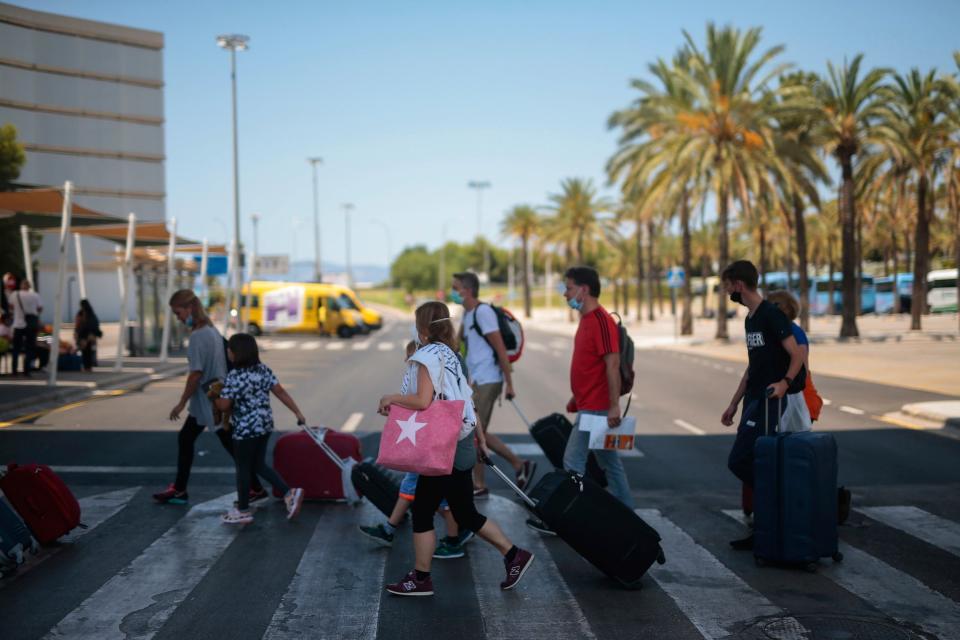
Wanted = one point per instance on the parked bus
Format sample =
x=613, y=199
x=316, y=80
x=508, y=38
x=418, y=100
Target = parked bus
x=942, y=290
x=887, y=292
x=820, y=295
x=284, y=307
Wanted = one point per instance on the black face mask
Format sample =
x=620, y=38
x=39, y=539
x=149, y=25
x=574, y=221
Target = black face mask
x=736, y=297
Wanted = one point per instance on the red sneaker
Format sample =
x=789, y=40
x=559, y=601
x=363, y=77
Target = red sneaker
x=410, y=586
x=171, y=495
x=516, y=569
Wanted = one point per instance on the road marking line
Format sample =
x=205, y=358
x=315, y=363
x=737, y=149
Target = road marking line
x=893, y=592
x=385, y=346
x=827, y=402
x=536, y=346
x=918, y=523
x=557, y=613
x=714, y=598
x=683, y=424
x=96, y=509
x=313, y=345
x=344, y=601
x=335, y=346
x=852, y=410
x=533, y=449
x=135, y=470
x=137, y=601
x=361, y=346
x=283, y=345
x=352, y=423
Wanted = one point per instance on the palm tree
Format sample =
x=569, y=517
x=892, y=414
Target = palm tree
x=917, y=131
x=578, y=211
x=850, y=107
x=523, y=222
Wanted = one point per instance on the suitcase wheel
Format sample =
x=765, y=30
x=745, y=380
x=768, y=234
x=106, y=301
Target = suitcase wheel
x=811, y=567
x=661, y=559
x=838, y=557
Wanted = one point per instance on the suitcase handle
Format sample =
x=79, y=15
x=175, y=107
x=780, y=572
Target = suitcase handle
x=766, y=411
x=519, y=413
x=517, y=490
x=318, y=434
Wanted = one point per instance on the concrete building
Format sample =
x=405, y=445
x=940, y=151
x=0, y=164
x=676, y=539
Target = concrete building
x=87, y=101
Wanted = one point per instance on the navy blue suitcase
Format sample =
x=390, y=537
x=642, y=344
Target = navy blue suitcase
x=15, y=539
x=795, y=498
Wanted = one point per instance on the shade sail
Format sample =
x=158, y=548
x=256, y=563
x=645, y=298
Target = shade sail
x=43, y=208
x=145, y=233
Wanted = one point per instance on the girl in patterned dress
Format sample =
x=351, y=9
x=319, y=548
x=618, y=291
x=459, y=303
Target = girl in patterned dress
x=246, y=393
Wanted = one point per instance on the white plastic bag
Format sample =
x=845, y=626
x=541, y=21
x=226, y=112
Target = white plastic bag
x=796, y=417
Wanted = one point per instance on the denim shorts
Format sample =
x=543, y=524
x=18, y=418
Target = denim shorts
x=408, y=489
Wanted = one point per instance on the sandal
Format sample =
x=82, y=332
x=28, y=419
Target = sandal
x=237, y=517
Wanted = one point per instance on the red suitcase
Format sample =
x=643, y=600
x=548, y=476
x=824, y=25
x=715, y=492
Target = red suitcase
x=301, y=463
x=45, y=503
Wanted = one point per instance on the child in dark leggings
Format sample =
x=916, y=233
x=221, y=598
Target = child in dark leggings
x=246, y=394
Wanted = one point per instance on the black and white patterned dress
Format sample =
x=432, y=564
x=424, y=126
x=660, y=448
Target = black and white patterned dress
x=249, y=388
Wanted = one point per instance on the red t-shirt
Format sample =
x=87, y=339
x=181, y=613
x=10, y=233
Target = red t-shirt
x=596, y=337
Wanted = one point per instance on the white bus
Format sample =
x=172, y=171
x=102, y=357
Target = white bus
x=942, y=290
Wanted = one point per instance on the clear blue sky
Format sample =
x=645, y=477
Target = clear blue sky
x=406, y=102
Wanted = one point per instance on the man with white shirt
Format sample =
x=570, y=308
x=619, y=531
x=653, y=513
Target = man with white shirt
x=26, y=308
x=488, y=368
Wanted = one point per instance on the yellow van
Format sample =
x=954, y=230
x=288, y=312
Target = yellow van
x=372, y=319
x=287, y=307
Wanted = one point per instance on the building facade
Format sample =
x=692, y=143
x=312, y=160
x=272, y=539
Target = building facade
x=87, y=101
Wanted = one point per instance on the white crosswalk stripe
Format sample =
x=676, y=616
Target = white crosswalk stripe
x=283, y=345
x=361, y=346
x=313, y=345
x=557, y=614
x=352, y=423
x=152, y=586
x=322, y=599
x=918, y=523
x=334, y=346
x=385, y=346
x=713, y=597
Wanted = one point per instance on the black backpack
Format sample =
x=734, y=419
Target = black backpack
x=627, y=373
x=510, y=330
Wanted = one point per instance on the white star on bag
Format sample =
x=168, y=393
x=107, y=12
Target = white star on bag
x=409, y=429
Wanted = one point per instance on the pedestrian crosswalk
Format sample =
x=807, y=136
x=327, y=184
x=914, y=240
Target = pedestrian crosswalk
x=333, y=587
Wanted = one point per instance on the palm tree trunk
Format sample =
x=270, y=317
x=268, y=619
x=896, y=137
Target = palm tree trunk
x=831, y=287
x=704, y=271
x=921, y=250
x=763, y=257
x=859, y=265
x=651, y=231
x=848, y=327
x=722, y=219
x=527, y=300
x=800, y=228
x=896, y=271
x=640, y=271
x=686, y=321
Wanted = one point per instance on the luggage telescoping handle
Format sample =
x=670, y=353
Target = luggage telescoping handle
x=510, y=483
x=519, y=412
x=766, y=411
x=319, y=434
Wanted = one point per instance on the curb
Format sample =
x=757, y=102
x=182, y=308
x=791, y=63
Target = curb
x=918, y=411
x=60, y=397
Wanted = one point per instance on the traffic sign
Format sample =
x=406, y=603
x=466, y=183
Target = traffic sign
x=675, y=277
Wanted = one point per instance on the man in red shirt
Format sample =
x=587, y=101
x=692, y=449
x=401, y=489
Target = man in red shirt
x=594, y=378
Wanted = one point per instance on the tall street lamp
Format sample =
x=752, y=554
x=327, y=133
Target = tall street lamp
x=347, y=208
x=480, y=185
x=234, y=43
x=317, y=270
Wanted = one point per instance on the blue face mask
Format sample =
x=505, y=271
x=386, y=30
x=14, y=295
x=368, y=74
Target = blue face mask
x=575, y=304
x=189, y=322
x=455, y=297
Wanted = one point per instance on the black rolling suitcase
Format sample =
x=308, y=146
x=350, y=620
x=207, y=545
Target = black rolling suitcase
x=366, y=479
x=552, y=433
x=606, y=532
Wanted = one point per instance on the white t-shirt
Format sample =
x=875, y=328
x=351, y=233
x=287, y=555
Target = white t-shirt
x=482, y=361
x=22, y=303
x=455, y=385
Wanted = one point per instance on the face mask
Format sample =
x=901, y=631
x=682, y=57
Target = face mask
x=455, y=297
x=414, y=335
x=575, y=303
x=736, y=297
x=189, y=322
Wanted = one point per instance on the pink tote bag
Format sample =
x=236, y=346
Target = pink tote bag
x=422, y=441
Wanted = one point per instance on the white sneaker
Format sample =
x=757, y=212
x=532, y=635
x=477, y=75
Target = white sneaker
x=237, y=517
x=293, y=500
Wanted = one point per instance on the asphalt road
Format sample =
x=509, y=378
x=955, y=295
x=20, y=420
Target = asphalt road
x=142, y=570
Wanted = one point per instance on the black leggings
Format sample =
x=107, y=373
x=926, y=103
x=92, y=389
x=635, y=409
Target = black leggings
x=251, y=457
x=457, y=488
x=189, y=433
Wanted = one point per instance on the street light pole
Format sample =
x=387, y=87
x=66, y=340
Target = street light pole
x=347, y=208
x=234, y=43
x=317, y=269
x=480, y=185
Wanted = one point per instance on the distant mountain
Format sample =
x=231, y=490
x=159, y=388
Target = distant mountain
x=302, y=271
